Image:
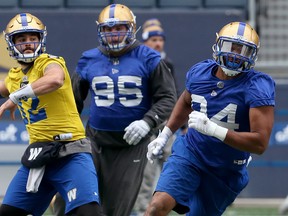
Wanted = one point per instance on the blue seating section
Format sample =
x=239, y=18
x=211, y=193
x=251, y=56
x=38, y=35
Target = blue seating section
x=180, y=3
x=86, y=4
x=8, y=3
x=137, y=3
x=40, y=3
x=226, y=3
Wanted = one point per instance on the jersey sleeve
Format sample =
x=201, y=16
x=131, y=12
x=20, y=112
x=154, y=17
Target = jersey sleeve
x=81, y=68
x=261, y=91
x=152, y=58
x=163, y=95
x=84, y=63
x=80, y=90
x=190, y=75
x=12, y=78
x=43, y=60
x=7, y=83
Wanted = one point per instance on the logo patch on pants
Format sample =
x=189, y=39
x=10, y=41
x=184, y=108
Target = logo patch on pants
x=72, y=194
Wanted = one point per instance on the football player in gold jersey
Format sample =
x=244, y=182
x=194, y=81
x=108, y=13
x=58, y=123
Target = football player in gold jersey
x=41, y=89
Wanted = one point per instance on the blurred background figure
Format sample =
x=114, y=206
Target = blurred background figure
x=154, y=37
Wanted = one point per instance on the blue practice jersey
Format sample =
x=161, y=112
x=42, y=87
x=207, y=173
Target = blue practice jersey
x=119, y=87
x=227, y=103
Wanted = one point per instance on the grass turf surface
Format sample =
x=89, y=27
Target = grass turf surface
x=235, y=211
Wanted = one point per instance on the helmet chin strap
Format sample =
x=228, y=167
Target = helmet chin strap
x=230, y=72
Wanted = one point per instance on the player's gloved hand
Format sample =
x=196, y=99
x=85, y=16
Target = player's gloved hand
x=155, y=148
x=200, y=122
x=136, y=131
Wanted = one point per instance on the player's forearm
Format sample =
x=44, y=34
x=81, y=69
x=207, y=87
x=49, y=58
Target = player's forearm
x=164, y=95
x=256, y=141
x=3, y=90
x=160, y=111
x=45, y=86
x=42, y=86
x=252, y=142
x=179, y=115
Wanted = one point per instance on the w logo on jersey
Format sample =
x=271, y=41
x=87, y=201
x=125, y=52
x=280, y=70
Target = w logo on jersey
x=34, y=152
x=72, y=194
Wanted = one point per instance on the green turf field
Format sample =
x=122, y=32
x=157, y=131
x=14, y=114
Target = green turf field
x=239, y=211
x=241, y=207
x=232, y=211
x=264, y=208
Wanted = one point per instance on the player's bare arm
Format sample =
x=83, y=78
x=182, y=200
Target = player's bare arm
x=179, y=115
x=256, y=141
x=8, y=105
x=53, y=79
x=3, y=90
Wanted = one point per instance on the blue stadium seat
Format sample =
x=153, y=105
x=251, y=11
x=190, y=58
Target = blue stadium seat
x=180, y=3
x=8, y=3
x=137, y=3
x=86, y=3
x=40, y=3
x=226, y=3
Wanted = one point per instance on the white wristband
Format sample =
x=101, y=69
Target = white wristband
x=166, y=133
x=22, y=93
x=220, y=133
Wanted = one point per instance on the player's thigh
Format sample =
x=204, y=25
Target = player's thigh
x=213, y=196
x=17, y=196
x=180, y=180
x=76, y=180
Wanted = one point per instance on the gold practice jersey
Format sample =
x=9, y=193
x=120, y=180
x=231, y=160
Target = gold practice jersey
x=50, y=114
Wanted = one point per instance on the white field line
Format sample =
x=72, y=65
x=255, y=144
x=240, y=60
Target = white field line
x=255, y=202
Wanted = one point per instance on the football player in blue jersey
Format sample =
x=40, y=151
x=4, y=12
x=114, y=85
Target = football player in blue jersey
x=230, y=111
x=132, y=91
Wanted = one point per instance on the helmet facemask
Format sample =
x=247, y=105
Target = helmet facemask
x=25, y=23
x=16, y=51
x=120, y=40
x=116, y=16
x=233, y=51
